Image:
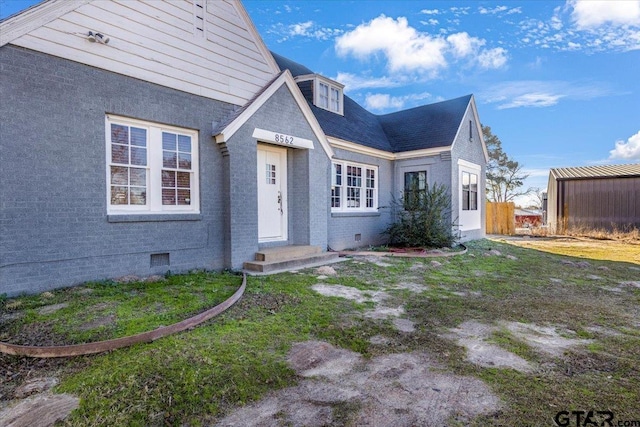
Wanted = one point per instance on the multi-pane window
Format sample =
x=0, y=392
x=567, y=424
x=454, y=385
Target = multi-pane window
x=176, y=169
x=336, y=185
x=128, y=172
x=353, y=187
x=469, y=191
x=151, y=168
x=335, y=100
x=370, y=187
x=323, y=96
x=328, y=96
x=415, y=189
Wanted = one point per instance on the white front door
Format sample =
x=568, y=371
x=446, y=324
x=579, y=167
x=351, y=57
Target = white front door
x=272, y=193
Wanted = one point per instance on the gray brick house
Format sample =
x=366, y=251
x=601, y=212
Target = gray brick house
x=137, y=138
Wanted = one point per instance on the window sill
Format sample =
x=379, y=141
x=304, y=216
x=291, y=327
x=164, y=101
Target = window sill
x=353, y=214
x=153, y=217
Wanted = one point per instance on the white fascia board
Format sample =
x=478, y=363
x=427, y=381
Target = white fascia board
x=304, y=78
x=387, y=155
x=360, y=149
x=476, y=119
x=422, y=153
x=35, y=17
x=256, y=37
x=285, y=78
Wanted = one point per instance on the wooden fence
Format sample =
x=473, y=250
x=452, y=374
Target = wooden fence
x=501, y=218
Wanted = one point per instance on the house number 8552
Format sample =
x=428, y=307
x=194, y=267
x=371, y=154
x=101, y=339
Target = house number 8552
x=284, y=139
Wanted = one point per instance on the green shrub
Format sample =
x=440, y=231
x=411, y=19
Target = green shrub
x=423, y=219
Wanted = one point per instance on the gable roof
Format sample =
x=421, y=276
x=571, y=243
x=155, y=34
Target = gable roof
x=425, y=127
x=226, y=130
x=605, y=171
x=217, y=53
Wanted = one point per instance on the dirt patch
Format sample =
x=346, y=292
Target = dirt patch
x=349, y=293
x=398, y=389
x=98, y=322
x=546, y=339
x=326, y=270
x=48, y=309
x=265, y=303
x=473, y=336
x=35, y=385
x=404, y=325
x=42, y=410
x=413, y=287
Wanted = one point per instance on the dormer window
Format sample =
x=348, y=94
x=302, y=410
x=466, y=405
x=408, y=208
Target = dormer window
x=328, y=95
x=323, y=96
x=323, y=92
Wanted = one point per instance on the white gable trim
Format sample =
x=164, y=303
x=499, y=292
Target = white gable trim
x=387, y=155
x=285, y=79
x=360, y=149
x=476, y=119
x=35, y=17
x=256, y=36
x=472, y=106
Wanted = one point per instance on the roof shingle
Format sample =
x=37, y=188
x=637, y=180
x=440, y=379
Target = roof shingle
x=427, y=126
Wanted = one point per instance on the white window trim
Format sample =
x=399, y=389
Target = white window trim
x=154, y=169
x=330, y=85
x=363, y=187
x=469, y=219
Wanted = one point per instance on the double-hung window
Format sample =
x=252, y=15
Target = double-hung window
x=354, y=187
x=323, y=96
x=328, y=95
x=415, y=189
x=469, y=191
x=151, y=168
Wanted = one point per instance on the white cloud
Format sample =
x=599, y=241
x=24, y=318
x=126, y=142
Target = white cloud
x=430, y=11
x=407, y=50
x=431, y=21
x=384, y=101
x=497, y=9
x=609, y=26
x=534, y=99
x=463, y=45
x=629, y=149
x=459, y=10
x=301, y=29
x=354, y=82
x=594, y=13
x=403, y=46
x=536, y=93
x=493, y=58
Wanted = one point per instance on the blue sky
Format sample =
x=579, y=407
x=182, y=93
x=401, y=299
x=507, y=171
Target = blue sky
x=557, y=81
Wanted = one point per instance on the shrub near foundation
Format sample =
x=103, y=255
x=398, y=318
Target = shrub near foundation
x=422, y=219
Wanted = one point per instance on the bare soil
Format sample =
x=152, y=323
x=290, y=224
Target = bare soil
x=406, y=389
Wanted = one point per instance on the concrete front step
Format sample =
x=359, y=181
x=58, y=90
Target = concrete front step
x=268, y=267
x=283, y=253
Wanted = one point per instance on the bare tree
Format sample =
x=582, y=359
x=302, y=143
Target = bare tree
x=504, y=175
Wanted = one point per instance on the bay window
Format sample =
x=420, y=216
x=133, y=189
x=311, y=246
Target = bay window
x=353, y=187
x=151, y=168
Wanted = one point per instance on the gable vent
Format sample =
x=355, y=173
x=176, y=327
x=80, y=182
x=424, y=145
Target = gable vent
x=199, y=10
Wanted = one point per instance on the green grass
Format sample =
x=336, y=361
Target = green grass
x=199, y=375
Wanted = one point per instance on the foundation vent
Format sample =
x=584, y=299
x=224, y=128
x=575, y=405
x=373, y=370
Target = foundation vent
x=159, y=260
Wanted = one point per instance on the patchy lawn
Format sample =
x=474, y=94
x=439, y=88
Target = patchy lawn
x=503, y=335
